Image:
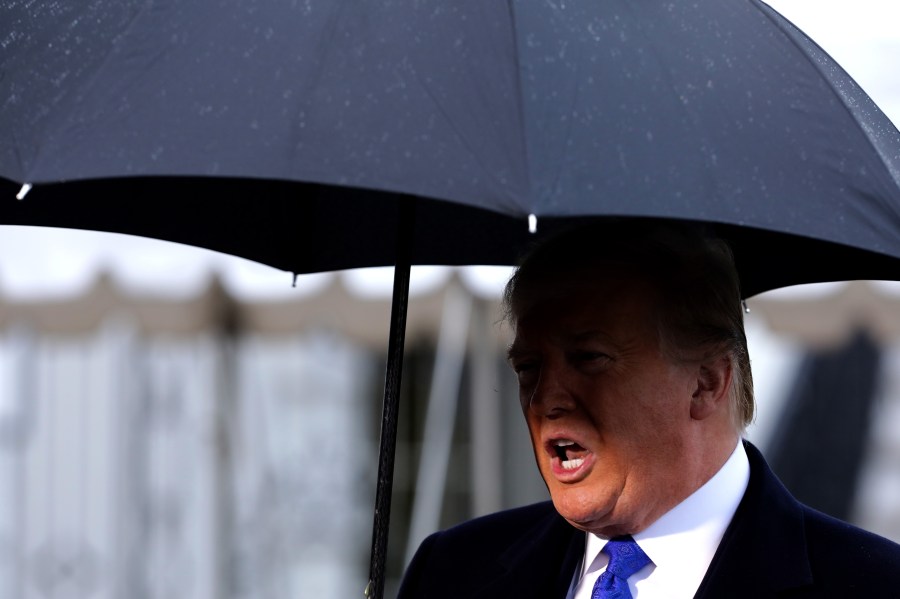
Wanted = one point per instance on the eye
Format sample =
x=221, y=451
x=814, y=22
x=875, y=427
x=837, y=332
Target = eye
x=524, y=366
x=525, y=370
x=590, y=357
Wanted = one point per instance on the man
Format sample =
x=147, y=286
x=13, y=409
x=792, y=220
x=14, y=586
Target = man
x=635, y=384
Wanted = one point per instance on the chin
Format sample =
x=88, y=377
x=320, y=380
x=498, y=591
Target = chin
x=582, y=509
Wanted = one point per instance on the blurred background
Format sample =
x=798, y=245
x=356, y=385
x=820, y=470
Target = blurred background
x=180, y=423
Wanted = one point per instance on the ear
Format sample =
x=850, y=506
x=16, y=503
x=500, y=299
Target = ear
x=711, y=392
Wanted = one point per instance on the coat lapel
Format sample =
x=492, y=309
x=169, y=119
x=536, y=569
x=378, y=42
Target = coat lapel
x=540, y=563
x=763, y=551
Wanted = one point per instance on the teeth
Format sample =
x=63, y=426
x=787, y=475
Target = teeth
x=562, y=453
x=573, y=464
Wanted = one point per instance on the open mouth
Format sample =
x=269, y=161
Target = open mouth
x=570, y=454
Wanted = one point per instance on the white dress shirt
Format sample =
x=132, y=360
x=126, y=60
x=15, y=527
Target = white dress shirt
x=681, y=544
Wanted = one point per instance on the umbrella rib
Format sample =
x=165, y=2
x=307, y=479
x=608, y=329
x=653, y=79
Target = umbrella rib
x=790, y=31
x=570, y=123
x=488, y=174
x=19, y=159
x=88, y=83
x=711, y=175
x=520, y=102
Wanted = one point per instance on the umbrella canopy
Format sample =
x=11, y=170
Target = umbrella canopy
x=714, y=110
x=313, y=135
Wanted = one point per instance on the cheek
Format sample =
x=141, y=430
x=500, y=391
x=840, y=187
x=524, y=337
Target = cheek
x=655, y=427
x=662, y=396
x=534, y=431
x=524, y=401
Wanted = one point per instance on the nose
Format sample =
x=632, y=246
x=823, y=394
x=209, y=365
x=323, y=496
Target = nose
x=552, y=394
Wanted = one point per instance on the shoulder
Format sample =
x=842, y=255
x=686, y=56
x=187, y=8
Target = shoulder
x=468, y=555
x=488, y=534
x=777, y=544
x=507, y=521
x=837, y=548
x=839, y=555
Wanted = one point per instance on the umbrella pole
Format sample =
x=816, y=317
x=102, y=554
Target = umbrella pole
x=390, y=406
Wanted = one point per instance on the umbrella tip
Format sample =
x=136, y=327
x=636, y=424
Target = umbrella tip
x=24, y=191
x=369, y=587
x=532, y=223
x=294, y=284
x=746, y=308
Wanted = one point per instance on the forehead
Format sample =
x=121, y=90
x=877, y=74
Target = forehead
x=602, y=283
x=586, y=301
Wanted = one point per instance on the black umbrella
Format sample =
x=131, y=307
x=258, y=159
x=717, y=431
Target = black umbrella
x=314, y=135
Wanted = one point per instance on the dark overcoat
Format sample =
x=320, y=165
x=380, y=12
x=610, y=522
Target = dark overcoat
x=774, y=547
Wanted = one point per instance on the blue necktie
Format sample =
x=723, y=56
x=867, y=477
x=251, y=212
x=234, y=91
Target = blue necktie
x=625, y=558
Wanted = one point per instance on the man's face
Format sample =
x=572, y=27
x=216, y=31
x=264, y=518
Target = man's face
x=609, y=415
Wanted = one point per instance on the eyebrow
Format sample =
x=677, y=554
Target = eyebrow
x=516, y=351
x=588, y=335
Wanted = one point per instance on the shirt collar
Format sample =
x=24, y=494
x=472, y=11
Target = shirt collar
x=684, y=540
